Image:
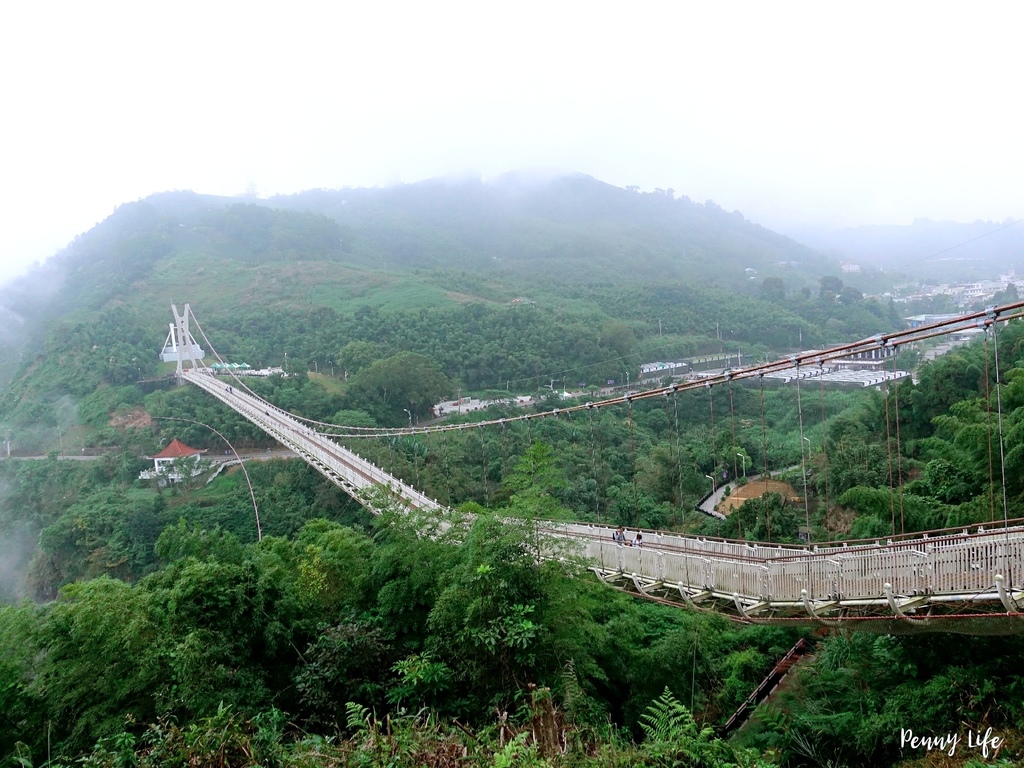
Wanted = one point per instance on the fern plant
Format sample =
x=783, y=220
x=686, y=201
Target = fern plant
x=667, y=720
x=673, y=738
x=357, y=717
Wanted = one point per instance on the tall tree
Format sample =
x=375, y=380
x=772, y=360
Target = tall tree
x=404, y=381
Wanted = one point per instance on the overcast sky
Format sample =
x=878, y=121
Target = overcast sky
x=843, y=113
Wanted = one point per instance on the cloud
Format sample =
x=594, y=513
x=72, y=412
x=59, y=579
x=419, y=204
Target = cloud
x=806, y=111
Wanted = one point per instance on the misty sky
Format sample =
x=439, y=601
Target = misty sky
x=844, y=113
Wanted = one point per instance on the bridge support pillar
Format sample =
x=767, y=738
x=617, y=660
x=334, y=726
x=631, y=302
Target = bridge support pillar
x=1005, y=597
x=892, y=601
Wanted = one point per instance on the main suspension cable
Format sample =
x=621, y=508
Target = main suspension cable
x=941, y=328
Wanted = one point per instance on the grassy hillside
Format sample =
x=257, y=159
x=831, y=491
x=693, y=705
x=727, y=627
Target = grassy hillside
x=336, y=248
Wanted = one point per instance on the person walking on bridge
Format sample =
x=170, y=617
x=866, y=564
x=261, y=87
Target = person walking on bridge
x=619, y=535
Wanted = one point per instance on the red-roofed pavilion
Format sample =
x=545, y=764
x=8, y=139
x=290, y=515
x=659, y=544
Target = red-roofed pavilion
x=176, y=450
x=163, y=462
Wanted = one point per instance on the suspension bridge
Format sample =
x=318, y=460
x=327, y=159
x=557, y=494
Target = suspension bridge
x=968, y=580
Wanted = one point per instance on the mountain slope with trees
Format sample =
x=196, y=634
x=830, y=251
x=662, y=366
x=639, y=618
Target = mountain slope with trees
x=609, y=278
x=377, y=303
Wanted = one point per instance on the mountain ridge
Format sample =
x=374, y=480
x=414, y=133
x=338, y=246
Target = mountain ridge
x=399, y=265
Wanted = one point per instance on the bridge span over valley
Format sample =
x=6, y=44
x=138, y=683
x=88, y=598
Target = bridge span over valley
x=966, y=580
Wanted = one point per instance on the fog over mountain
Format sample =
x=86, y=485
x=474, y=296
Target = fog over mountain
x=777, y=112
x=941, y=251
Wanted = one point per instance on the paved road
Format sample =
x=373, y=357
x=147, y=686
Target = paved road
x=275, y=453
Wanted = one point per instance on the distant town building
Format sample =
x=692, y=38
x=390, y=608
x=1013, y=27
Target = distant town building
x=963, y=294
x=917, y=321
x=868, y=360
x=849, y=267
x=981, y=290
x=661, y=370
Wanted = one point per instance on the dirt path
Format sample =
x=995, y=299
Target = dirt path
x=755, y=489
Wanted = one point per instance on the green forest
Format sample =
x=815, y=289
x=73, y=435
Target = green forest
x=160, y=625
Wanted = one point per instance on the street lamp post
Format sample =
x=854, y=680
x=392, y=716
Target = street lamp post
x=744, y=460
x=241, y=463
x=712, y=479
x=410, y=416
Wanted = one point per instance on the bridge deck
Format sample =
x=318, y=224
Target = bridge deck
x=343, y=467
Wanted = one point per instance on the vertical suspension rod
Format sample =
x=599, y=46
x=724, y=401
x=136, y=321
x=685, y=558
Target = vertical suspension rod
x=764, y=456
x=999, y=413
x=593, y=463
x=632, y=448
x=803, y=461
x=899, y=446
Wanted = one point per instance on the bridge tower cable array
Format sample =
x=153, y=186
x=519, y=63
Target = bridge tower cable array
x=960, y=580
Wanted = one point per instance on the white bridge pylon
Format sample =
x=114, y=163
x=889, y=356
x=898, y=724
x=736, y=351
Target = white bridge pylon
x=966, y=580
x=180, y=345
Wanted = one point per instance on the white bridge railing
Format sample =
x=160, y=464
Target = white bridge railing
x=966, y=567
